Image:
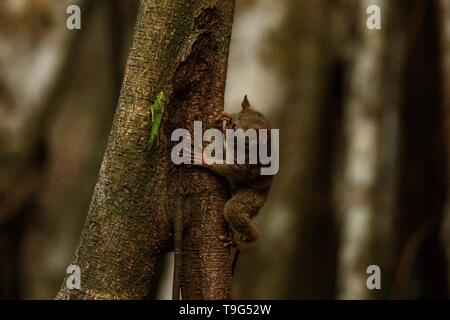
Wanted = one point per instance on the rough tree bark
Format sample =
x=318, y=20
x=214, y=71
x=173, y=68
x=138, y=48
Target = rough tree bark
x=180, y=48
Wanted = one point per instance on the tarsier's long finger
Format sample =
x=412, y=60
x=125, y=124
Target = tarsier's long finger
x=224, y=116
x=188, y=140
x=228, y=241
x=188, y=150
x=196, y=157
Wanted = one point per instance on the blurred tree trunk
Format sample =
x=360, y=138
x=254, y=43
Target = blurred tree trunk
x=365, y=185
x=421, y=266
x=179, y=48
x=445, y=47
x=30, y=34
x=75, y=136
x=53, y=154
x=299, y=241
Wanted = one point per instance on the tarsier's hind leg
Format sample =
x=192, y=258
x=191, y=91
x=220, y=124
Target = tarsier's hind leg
x=240, y=210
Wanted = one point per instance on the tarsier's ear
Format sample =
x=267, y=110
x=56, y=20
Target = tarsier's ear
x=245, y=103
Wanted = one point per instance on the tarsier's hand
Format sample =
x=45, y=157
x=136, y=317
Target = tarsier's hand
x=224, y=116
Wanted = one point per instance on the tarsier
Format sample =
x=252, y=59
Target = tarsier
x=249, y=188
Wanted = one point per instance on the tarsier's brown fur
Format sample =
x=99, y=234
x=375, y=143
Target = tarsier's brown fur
x=249, y=187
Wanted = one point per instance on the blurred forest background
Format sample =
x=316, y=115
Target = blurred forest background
x=364, y=124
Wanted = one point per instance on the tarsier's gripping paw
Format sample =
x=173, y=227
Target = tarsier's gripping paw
x=245, y=232
x=196, y=157
x=224, y=116
x=229, y=241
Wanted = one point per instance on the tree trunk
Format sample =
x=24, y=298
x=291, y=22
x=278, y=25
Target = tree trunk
x=365, y=185
x=299, y=241
x=422, y=185
x=445, y=47
x=75, y=137
x=180, y=48
x=26, y=100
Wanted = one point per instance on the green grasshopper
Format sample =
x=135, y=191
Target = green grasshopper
x=157, y=111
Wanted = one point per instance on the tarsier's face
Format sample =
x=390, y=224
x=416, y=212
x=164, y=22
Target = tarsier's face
x=249, y=118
